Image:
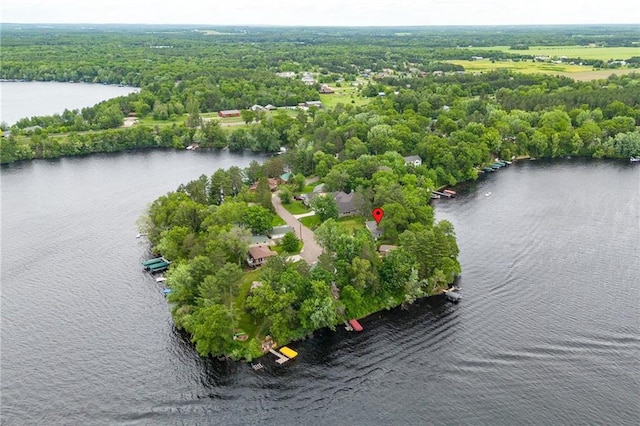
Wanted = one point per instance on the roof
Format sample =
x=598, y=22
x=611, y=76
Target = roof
x=286, y=176
x=412, y=158
x=230, y=111
x=318, y=188
x=344, y=201
x=372, y=226
x=386, y=248
x=259, y=239
x=280, y=230
x=260, y=252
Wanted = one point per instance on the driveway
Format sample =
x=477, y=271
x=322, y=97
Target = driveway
x=311, y=250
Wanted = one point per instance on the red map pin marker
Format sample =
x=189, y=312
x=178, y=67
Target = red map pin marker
x=378, y=214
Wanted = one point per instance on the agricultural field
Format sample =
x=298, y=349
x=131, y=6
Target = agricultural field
x=584, y=52
x=577, y=72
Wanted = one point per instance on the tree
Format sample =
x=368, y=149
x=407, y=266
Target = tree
x=285, y=196
x=213, y=330
x=258, y=219
x=247, y=115
x=290, y=242
x=263, y=194
x=193, y=109
x=325, y=207
x=236, y=242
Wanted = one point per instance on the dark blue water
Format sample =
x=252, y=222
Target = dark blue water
x=548, y=331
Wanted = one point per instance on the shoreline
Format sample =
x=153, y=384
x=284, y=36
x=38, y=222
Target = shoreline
x=437, y=292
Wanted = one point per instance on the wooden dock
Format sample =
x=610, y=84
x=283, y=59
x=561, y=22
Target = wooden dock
x=281, y=358
x=442, y=194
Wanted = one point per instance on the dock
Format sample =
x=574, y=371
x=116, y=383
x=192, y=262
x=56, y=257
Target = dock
x=156, y=265
x=443, y=194
x=452, y=294
x=281, y=358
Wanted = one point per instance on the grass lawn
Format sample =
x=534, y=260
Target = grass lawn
x=245, y=322
x=296, y=207
x=309, y=188
x=278, y=221
x=343, y=95
x=352, y=223
x=311, y=222
x=151, y=122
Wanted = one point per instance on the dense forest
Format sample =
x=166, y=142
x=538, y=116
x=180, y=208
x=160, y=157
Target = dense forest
x=429, y=105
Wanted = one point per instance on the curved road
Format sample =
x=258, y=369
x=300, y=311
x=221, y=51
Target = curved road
x=311, y=249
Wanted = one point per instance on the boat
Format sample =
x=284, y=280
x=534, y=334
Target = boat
x=355, y=325
x=453, y=296
x=160, y=279
x=288, y=352
x=635, y=159
x=166, y=291
x=488, y=194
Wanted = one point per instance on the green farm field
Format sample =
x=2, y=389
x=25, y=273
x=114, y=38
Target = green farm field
x=584, y=52
x=577, y=72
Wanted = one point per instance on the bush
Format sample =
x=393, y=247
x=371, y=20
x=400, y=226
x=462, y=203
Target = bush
x=290, y=242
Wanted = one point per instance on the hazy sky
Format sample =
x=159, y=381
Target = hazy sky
x=322, y=12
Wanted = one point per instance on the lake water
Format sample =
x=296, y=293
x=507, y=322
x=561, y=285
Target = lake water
x=548, y=331
x=35, y=98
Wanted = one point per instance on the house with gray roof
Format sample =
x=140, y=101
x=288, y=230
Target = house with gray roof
x=413, y=160
x=372, y=226
x=346, y=204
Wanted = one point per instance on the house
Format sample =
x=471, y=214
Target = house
x=385, y=249
x=345, y=202
x=270, y=107
x=257, y=240
x=413, y=160
x=308, y=80
x=372, y=226
x=273, y=184
x=258, y=255
x=325, y=89
x=278, y=232
x=317, y=104
x=286, y=74
x=229, y=113
x=285, y=177
x=257, y=107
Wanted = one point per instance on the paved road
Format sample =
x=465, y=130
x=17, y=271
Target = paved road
x=311, y=249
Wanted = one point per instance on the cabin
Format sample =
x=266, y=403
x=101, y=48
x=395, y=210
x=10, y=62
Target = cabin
x=258, y=255
x=229, y=113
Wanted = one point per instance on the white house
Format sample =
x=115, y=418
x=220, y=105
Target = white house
x=414, y=160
